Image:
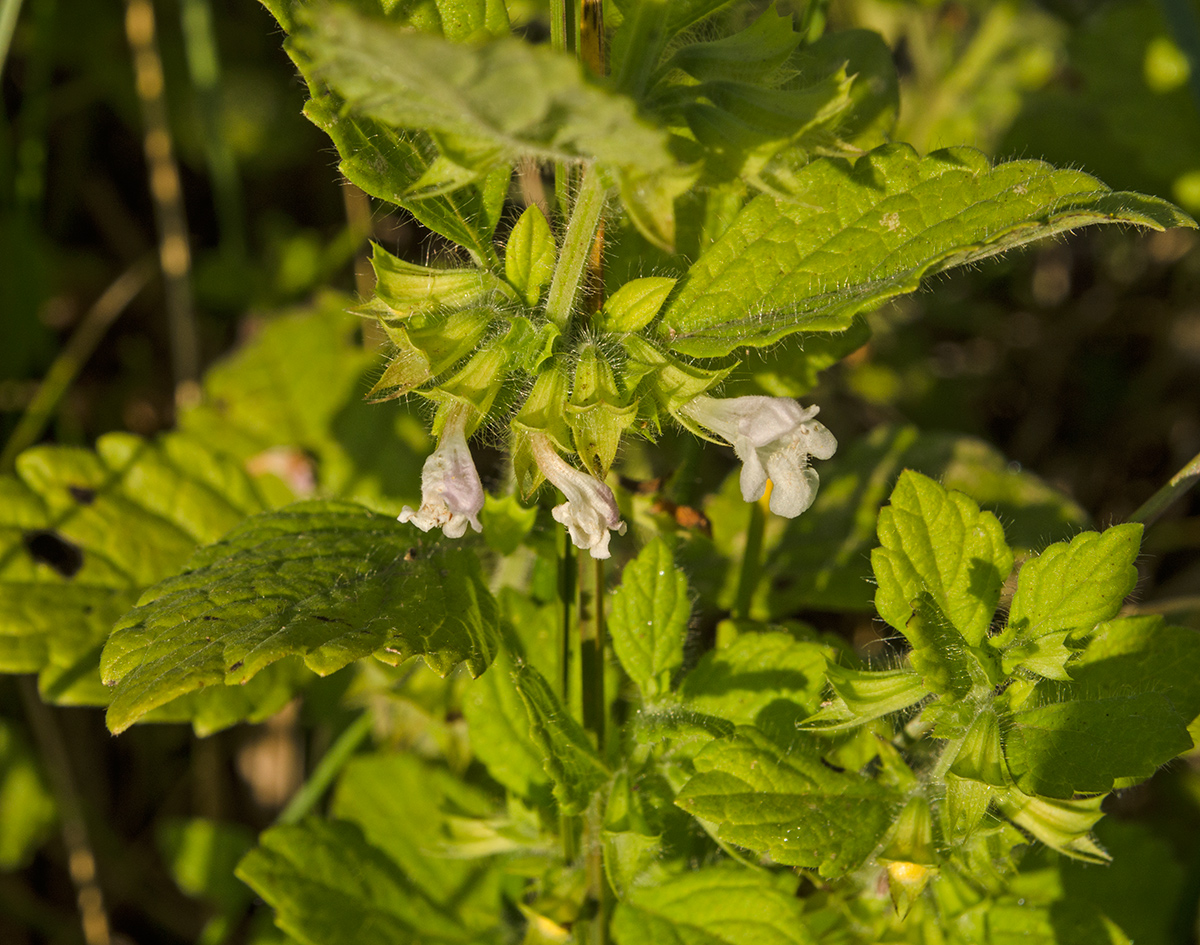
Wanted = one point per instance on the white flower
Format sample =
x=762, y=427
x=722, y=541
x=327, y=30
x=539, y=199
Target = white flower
x=590, y=510
x=774, y=438
x=451, y=493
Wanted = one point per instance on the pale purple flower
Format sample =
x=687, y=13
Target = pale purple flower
x=451, y=493
x=774, y=437
x=590, y=510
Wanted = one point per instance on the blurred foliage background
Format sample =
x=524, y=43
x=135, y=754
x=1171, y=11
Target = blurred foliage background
x=1077, y=360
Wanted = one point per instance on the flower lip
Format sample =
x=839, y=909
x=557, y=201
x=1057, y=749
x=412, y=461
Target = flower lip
x=590, y=512
x=774, y=437
x=451, y=493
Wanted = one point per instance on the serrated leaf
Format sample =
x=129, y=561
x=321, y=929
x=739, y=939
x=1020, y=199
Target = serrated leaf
x=940, y=542
x=937, y=652
x=1076, y=584
x=1086, y=744
x=854, y=235
x=716, y=905
x=328, y=886
x=83, y=533
x=330, y=582
x=529, y=255
x=788, y=804
x=568, y=755
x=388, y=164
x=519, y=99
x=649, y=617
x=751, y=55
x=756, y=671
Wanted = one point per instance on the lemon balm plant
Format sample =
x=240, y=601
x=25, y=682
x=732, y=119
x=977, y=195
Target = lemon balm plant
x=663, y=221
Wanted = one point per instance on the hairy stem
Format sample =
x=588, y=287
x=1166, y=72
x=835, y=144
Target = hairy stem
x=577, y=246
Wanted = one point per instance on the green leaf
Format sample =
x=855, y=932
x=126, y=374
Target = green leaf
x=649, y=618
x=407, y=288
x=754, y=54
x=1076, y=584
x=939, y=541
x=529, y=255
x=389, y=164
x=937, y=652
x=863, y=695
x=512, y=98
x=1133, y=693
x=82, y=534
x=330, y=582
x=788, y=804
x=201, y=855
x=500, y=738
x=855, y=235
x=1086, y=744
x=757, y=672
x=568, y=755
x=401, y=804
x=633, y=306
x=328, y=886
x=1142, y=652
x=716, y=905
x=27, y=808
x=506, y=522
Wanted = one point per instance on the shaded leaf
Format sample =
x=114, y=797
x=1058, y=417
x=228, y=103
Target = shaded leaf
x=721, y=905
x=789, y=805
x=329, y=582
x=328, y=886
x=568, y=755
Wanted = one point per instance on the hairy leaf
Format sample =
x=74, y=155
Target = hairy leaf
x=939, y=541
x=1076, y=584
x=328, y=886
x=789, y=805
x=567, y=754
x=511, y=98
x=330, y=582
x=649, y=618
x=854, y=235
x=717, y=905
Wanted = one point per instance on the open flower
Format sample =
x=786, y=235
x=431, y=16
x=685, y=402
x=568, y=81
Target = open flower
x=590, y=510
x=451, y=493
x=774, y=437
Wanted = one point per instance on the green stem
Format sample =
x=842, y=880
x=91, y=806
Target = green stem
x=326, y=770
x=577, y=244
x=751, y=562
x=1178, y=486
